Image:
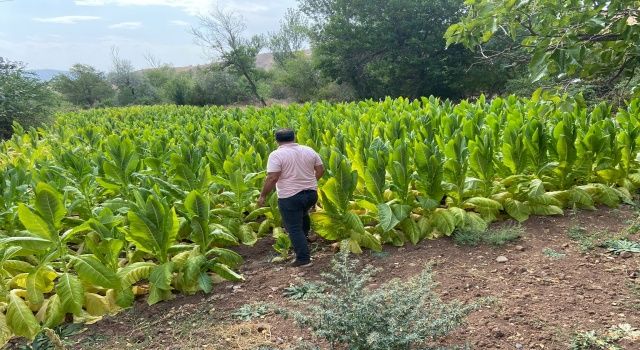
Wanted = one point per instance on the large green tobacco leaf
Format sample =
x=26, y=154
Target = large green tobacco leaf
x=160, y=283
x=135, y=272
x=49, y=204
x=225, y=272
x=516, y=209
x=5, y=332
x=90, y=269
x=388, y=220
x=71, y=293
x=35, y=224
x=20, y=319
x=54, y=312
x=154, y=229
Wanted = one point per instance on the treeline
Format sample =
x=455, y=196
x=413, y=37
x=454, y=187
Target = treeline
x=343, y=50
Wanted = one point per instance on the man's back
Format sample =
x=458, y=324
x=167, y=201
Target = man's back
x=296, y=165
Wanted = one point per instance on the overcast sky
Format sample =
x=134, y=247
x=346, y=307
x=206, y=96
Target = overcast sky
x=58, y=33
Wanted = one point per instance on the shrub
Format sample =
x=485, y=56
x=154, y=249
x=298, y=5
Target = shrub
x=397, y=315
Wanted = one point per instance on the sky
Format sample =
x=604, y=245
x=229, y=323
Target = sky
x=55, y=34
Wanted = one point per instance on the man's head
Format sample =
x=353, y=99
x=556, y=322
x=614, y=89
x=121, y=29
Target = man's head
x=285, y=136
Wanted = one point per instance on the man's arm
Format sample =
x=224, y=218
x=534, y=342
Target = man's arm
x=319, y=171
x=269, y=185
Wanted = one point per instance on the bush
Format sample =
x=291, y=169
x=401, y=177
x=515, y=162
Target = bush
x=397, y=315
x=23, y=98
x=216, y=86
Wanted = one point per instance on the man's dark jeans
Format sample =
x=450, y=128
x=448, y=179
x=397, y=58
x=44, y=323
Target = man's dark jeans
x=295, y=216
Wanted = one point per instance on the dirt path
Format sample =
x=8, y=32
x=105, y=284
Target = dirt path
x=546, y=291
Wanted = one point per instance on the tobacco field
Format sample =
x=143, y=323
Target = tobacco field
x=108, y=205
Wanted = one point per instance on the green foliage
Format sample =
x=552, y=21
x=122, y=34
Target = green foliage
x=583, y=39
x=23, y=98
x=289, y=40
x=84, y=86
x=297, y=78
x=395, y=48
x=223, y=34
x=397, y=315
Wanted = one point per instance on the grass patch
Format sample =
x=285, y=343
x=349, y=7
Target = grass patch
x=495, y=237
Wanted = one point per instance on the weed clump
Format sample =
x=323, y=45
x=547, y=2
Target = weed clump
x=607, y=341
x=495, y=237
x=397, y=315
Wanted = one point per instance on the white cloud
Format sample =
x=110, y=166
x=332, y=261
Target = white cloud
x=178, y=22
x=192, y=7
x=126, y=25
x=66, y=19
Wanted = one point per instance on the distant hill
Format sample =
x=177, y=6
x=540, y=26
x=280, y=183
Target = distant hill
x=47, y=74
x=263, y=61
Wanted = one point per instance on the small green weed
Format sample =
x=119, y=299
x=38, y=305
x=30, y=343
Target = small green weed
x=553, y=254
x=622, y=245
x=504, y=235
x=379, y=255
x=495, y=237
x=590, y=240
x=53, y=339
x=467, y=237
x=303, y=291
x=593, y=341
x=248, y=312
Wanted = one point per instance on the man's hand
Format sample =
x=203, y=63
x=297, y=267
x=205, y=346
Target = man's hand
x=261, y=201
x=269, y=185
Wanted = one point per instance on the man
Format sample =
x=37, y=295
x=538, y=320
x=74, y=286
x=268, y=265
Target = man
x=294, y=170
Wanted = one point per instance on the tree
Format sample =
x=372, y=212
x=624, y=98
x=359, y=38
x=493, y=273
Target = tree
x=394, y=47
x=222, y=33
x=587, y=39
x=214, y=85
x=290, y=39
x=84, y=86
x=23, y=98
x=297, y=78
x=132, y=87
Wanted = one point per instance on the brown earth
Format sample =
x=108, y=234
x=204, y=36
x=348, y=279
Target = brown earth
x=540, y=301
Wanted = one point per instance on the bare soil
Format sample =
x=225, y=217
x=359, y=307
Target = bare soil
x=540, y=301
